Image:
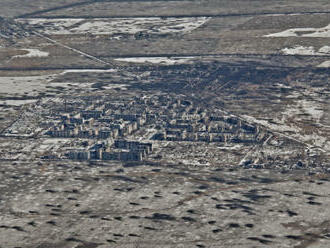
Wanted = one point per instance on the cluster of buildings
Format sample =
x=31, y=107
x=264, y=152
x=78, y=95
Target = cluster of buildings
x=107, y=123
x=122, y=150
x=96, y=124
x=201, y=128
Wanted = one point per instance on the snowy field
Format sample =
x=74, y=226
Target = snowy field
x=157, y=60
x=24, y=85
x=325, y=64
x=309, y=51
x=300, y=110
x=88, y=70
x=113, y=26
x=303, y=50
x=323, y=32
x=31, y=53
x=17, y=102
x=33, y=85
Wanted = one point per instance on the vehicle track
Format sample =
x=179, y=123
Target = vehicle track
x=66, y=6
x=73, y=49
x=35, y=15
x=117, y=66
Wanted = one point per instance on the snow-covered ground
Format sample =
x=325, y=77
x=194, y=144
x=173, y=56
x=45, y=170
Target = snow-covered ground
x=323, y=32
x=113, y=26
x=311, y=108
x=32, y=84
x=17, y=102
x=52, y=144
x=25, y=125
x=303, y=50
x=53, y=26
x=325, y=64
x=32, y=53
x=306, y=50
x=157, y=60
x=277, y=127
x=300, y=111
x=21, y=85
x=88, y=70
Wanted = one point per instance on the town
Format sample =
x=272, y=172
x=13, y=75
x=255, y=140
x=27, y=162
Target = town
x=124, y=129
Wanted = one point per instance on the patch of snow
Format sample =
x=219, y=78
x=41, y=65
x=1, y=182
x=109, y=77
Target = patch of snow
x=293, y=95
x=297, y=134
x=21, y=85
x=316, y=140
x=303, y=32
x=54, y=143
x=305, y=107
x=73, y=85
x=34, y=84
x=312, y=109
x=325, y=64
x=115, y=86
x=17, y=102
x=265, y=123
x=303, y=50
x=325, y=49
x=115, y=26
x=32, y=53
x=88, y=70
x=300, y=50
x=52, y=26
x=157, y=60
x=301, y=110
x=185, y=25
x=235, y=147
x=283, y=86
